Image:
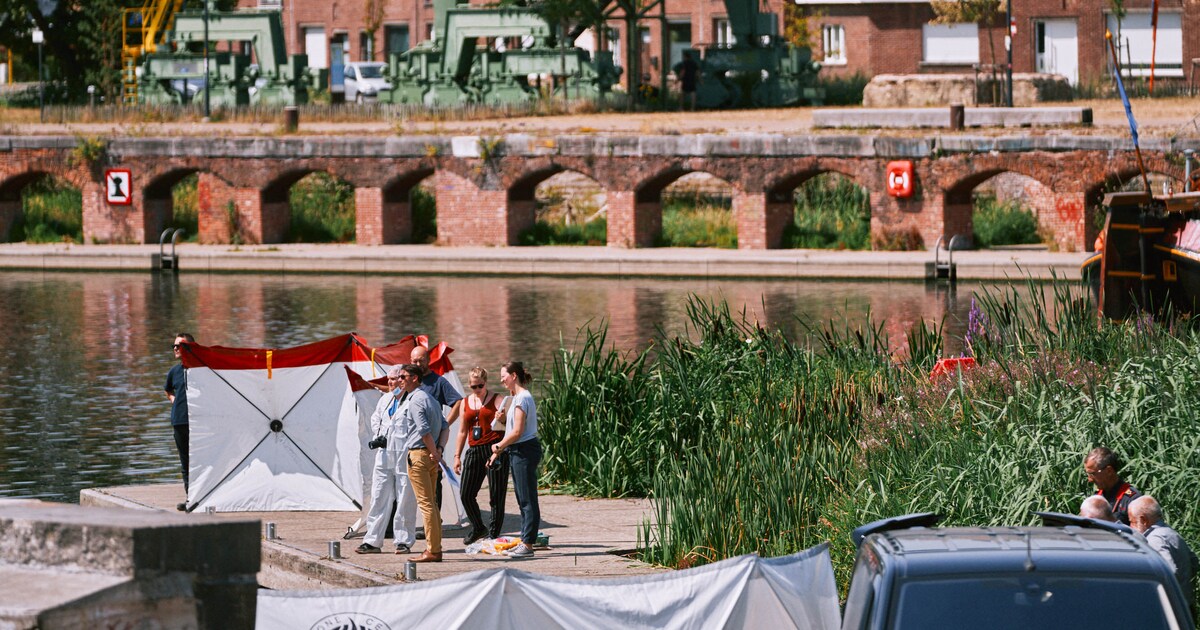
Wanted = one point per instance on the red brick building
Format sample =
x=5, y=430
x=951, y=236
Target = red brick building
x=1060, y=36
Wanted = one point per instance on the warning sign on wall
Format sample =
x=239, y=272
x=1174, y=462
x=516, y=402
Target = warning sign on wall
x=118, y=190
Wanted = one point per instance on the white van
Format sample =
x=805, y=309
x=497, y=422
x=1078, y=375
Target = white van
x=364, y=80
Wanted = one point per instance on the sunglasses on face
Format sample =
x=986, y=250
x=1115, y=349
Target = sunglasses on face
x=177, y=346
x=478, y=386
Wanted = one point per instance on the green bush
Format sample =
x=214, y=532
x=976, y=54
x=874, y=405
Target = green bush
x=322, y=210
x=832, y=212
x=185, y=209
x=844, y=90
x=424, y=216
x=51, y=212
x=697, y=220
x=558, y=233
x=997, y=223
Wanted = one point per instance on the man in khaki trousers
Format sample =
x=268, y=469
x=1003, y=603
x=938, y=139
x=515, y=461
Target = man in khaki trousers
x=423, y=424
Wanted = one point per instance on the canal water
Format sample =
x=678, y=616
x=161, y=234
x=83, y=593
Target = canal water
x=83, y=356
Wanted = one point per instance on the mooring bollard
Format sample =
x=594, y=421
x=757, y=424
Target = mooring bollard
x=958, y=116
x=335, y=550
x=291, y=118
x=210, y=510
x=410, y=571
x=270, y=531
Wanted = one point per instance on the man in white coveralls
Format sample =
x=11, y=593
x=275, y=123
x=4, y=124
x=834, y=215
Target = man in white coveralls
x=389, y=479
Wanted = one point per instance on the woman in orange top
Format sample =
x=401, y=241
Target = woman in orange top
x=478, y=410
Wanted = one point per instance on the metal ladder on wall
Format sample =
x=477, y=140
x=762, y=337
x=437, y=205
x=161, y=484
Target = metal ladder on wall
x=163, y=261
x=944, y=270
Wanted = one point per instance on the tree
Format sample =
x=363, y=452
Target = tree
x=372, y=20
x=82, y=39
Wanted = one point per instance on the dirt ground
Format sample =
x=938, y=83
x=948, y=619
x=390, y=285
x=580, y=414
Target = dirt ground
x=1158, y=118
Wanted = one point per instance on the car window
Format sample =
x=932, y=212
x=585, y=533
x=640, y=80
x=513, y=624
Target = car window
x=1031, y=602
x=370, y=72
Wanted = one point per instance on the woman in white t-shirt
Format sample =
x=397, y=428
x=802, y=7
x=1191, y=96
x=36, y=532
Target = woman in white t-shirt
x=524, y=452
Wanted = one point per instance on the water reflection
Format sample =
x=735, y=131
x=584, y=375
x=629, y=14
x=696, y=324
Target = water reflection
x=83, y=356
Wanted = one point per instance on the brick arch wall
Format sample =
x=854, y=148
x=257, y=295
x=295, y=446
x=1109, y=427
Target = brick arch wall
x=476, y=196
x=13, y=183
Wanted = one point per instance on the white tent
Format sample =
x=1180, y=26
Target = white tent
x=279, y=429
x=796, y=591
x=266, y=430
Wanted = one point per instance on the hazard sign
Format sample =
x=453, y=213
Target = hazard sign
x=118, y=190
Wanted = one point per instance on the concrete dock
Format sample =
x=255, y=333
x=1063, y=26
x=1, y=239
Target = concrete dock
x=587, y=538
x=997, y=264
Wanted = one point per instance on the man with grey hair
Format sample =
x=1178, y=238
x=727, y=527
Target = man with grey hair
x=1146, y=517
x=423, y=426
x=389, y=479
x=1095, y=507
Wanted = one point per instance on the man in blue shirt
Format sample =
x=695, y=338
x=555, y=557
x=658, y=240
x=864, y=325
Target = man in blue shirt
x=423, y=425
x=176, y=389
x=442, y=392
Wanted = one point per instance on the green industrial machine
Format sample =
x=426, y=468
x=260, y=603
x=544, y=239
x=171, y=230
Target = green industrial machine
x=175, y=74
x=759, y=69
x=452, y=69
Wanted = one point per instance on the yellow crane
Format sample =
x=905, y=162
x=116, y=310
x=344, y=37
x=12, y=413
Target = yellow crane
x=142, y=30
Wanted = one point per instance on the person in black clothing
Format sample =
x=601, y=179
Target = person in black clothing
x=688, y=72
x=1102, y=466
x=176, y=390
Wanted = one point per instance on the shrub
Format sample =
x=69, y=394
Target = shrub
x=185, y=209
x=322, y=210
x=51, y=212
x=997, y=223
x=846, y=90
x=698, y=220
x=897, y=239
x=424, y=216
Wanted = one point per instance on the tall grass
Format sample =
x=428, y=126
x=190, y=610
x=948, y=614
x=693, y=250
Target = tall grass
x=51, y=212
x=747, y=441
x=698, y=220
x=594, y=232
x=185, y=212
x=322, y=210
x=424, y=216
x=832, y=212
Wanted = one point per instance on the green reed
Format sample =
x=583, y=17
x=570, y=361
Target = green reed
x=832, y=212
x=750, y=442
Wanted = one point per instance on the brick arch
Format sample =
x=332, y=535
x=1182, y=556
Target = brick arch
x=157, y=201
x=782, y=189
x=10, y=195
x=385, y=215
x=275, y=213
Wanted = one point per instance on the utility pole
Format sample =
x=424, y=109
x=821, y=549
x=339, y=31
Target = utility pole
x=39, y=38
x=1008, y=45
x=207, y=106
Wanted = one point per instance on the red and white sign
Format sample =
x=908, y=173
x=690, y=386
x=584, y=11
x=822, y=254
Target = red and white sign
x=118, y=186
x=900, y=178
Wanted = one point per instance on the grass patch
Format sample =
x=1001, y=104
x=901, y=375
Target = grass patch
x=1002, y=223
x=698, y=220
x=832, y=212
x=51, y=212
x=322, y=210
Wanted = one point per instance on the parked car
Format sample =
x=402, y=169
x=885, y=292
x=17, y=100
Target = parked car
x=1080, y=574
x=364, y=80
